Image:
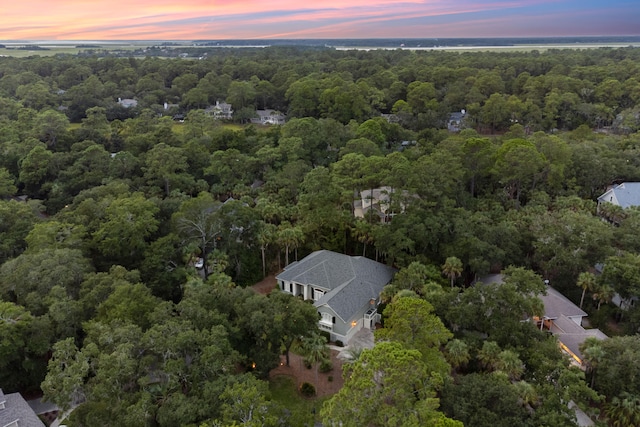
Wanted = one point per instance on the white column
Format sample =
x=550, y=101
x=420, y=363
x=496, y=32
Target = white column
x=306, y=292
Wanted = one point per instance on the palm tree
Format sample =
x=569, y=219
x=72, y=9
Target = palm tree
x=488, y=355
x=266, y=236
x=457, y=353
x=452, y=268
x=353, y=355
x=624, y=410
x=618, y=214
x=527, y=395
x=315, y=350
x=587, y=282
x=270, y=211
x=290, y=237
x=603, y=293
x=362, y=232
x=592, y=354
x=509, y=363
x=612, y=213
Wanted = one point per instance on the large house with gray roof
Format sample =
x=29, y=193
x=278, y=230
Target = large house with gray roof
x=16, y=412
x=345, y=290
x=561, y=317
x=557, y=305
x=564, y=320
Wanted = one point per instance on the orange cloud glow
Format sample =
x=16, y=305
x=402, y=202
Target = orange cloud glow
x=244, y=19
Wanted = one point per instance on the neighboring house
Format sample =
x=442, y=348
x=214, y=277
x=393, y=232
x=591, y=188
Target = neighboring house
x=624, y=195
x=168, y=106
x=617, y=299
x=557, y=305
x=16, y=412
x=408, y=143
x=391, y=118
x=345, y=290
x=571, y=336
x=127, y=102
x=455, y=122
x=562, y=318
x=623, y=303
x=376, y=202
x=220, y=111
x=269, y=117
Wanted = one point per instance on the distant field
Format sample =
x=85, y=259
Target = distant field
x=52, y=49
x=15, y=53
x=71, y=48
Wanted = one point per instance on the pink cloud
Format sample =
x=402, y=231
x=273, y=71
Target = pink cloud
x=201, y=19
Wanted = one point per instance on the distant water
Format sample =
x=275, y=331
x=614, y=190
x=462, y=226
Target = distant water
x=427, y=43
x=373, y=43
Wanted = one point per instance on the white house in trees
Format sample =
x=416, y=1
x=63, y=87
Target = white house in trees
x=269, y=117
x=220, y=111
x=624, y=195
x=345, y=290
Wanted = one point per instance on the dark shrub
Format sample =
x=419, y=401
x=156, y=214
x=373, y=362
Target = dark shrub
x=326, y=366
x=307, y=390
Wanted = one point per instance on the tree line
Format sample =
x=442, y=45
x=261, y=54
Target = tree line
x=105, y=212
x=554, y=89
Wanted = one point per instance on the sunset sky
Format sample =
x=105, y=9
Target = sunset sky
x=249, y=19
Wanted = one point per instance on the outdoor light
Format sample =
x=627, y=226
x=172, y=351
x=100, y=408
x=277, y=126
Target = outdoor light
x=354, y=323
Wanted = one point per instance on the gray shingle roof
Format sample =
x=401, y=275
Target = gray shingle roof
x=627, y=194
x=347, y=300
x=350, y=282
x=16, y=408
x=573, y=335
x=556, y=304
x=323, y=269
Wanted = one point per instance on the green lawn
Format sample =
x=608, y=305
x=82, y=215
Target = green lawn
x=20, y=53
x=283, y=392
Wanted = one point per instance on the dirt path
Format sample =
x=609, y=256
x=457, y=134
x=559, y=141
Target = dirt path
x=266, y=285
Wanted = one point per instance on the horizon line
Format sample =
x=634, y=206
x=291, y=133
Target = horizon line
x=325, y=38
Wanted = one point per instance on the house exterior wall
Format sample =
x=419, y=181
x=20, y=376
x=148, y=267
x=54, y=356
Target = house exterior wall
x=608, y=197
x=306, y=291
x=337, y=329
x=576, y=319
x=344, y=330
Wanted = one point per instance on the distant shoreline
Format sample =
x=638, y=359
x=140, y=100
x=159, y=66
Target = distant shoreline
x=190, y=48
x=490, y=47
x=593, y=41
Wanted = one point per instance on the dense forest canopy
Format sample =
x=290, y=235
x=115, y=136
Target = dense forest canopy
x=106, y=209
